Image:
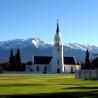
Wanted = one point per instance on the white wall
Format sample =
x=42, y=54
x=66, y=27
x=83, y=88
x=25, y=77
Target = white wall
x=57, y=55
x=41, y=68
x=69, y=68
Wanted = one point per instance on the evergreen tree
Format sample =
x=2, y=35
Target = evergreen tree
x=87, y=61
x=11, y=61
x=11, y=57
x=95, y=63
x=23, y=67
x=18, y=60
x=29, y=63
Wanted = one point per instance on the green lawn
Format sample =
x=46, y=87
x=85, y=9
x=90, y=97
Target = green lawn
x=46, y=85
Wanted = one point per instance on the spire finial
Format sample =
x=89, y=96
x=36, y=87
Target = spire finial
x=57, y=30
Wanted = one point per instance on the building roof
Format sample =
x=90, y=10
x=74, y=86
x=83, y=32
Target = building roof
x=42, y=59
x=69, y=60
x=2, y=61
x=47, y=59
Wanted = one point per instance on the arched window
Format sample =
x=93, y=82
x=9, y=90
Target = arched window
x=72, y=70
x=31, y=69
x=37, y=68
x=58, y=61
x=58, y=49
x=45, y=69
x=58, y=70
x=64, y=68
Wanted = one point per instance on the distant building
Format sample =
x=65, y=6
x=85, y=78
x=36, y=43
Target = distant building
x=57, y=63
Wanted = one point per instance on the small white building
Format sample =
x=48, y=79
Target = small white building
x=57, y=63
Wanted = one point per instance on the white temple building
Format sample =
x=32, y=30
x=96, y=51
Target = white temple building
x=57, y=63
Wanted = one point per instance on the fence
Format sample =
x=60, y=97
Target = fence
x=86, y=74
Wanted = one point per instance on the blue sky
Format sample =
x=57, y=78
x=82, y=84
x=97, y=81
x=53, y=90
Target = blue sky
x=78, y=20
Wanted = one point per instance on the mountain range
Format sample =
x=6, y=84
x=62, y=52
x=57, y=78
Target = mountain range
x=35, y=46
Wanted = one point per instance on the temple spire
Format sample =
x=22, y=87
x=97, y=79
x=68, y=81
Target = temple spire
x=57, y=30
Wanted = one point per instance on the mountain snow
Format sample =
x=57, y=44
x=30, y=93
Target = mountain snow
x=35, y=46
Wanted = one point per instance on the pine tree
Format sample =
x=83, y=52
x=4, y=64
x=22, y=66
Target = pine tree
x=95, y=63
x=18, y=60
x=11, y=57
x=11, y=61
x=29, y=63
x=23, y=67
x=87, y=61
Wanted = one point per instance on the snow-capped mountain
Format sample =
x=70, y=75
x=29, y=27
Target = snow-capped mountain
x=28, y=48
x=21, y=43
x=35, y=46
x=92, y=48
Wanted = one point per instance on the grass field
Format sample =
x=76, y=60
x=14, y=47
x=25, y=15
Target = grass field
x=46, y=85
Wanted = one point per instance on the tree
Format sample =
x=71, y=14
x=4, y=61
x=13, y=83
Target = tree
x=95, y=63
x=11, y=61
x=23, y=67
x=87, y=61
x=82, y=65
x=15, y=62
x=18, y=60
x=29, y=63
x=11, y=56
